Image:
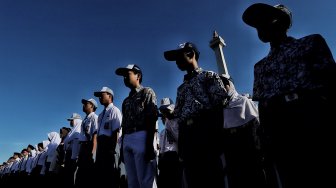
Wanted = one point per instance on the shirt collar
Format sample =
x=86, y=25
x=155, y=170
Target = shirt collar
x=92, y=113
x=285, y=42
x=193, y=74
x=109, y=106
x=132, y=92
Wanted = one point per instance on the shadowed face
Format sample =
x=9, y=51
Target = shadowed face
x=184, y=61
x=271, y=31
x=131, y=79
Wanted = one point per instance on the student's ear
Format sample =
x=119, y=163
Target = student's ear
x=190, y=54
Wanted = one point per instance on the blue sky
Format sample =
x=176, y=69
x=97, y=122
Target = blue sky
x=53, y=53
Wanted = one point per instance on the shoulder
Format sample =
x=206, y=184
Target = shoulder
x=312, y=39
x=209, y=74
x=115, y=109
x=148, y=90
x=94, y=116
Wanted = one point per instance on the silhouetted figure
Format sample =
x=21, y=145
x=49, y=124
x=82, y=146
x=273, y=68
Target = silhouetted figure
x=293, y=86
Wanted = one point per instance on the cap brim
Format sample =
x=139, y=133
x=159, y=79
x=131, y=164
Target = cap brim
x=96, y=94
x=84, y=101
x=167, y=107
x=122, y=71
x=172, y=55
x=259, y=14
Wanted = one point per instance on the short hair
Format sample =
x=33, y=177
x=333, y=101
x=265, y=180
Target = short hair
x=31, y=147
x=40, y=145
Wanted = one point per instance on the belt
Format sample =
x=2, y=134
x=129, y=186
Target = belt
x=132, y=130
x=294, y=96
x=281, y=99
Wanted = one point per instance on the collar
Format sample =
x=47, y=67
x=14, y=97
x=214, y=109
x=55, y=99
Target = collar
x=108, y=107
x=136, y=90
x=283, y=43
x=92, y=113
x=193, y=74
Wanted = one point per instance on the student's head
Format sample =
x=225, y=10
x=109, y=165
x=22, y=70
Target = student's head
x=105, y=96
x=64, y=131
x=132, y=75
x=40, y=146
x=166, y=109
x=16, y=155
x=30, y=147
x=185, y=56
x=89, y=105
x=72, y=119
x=24, y=152
x=271, y=22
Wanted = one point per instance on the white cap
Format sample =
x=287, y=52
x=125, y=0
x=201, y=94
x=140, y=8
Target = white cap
x=103, y=90
x=74, y=116
x=91, y=101
x=167, y=103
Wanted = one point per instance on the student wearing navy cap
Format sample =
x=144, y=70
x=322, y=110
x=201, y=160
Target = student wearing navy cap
x=293, y=85
x=199, y=112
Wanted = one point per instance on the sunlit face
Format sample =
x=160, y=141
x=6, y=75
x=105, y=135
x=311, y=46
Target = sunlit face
x=104, y=98
x=88, y=107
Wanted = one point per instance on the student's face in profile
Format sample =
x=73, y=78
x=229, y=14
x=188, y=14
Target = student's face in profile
x=182, y=61
x=104, y=98
x=271, y=31
x=72, y=123
x=131, y=79
x=87, y=107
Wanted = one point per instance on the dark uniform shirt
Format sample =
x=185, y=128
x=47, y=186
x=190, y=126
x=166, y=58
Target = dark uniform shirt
x=201, y=90
x=139, y=108
x=295, y=65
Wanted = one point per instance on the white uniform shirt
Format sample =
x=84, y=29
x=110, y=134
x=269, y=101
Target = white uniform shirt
x=15, y=165
x=239, y=110
x=23, y=163
x=89, y=127
x=165, y=143
x=29, y=165
x=71, y=142
x=109, y=121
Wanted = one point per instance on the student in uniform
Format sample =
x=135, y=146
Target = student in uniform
x=170, y=169
x=88, y=144
x=109, y=122
x=139, y=126
x=71, y=146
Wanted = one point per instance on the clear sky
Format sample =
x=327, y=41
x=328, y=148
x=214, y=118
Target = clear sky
x=53, y=53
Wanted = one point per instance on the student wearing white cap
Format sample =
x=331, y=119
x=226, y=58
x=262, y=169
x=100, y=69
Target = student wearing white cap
x=88, y=144
x=109, y=122
x=170, y=169
x=139, y=126
x=71, y=146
